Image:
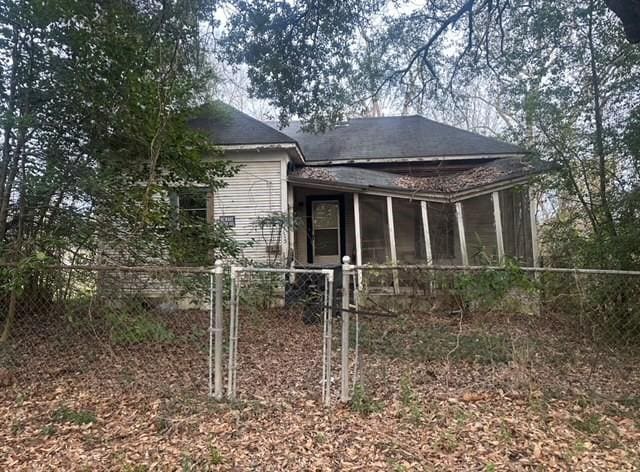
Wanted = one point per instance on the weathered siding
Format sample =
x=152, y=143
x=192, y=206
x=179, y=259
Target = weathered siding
x=258, y=189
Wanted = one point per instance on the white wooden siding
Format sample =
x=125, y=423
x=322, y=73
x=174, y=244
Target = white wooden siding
x=258, y=189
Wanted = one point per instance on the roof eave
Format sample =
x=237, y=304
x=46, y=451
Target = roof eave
x=292, y=149
x=373, y=160
x=448, y=197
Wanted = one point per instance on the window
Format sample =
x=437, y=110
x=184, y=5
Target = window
x=193, y=206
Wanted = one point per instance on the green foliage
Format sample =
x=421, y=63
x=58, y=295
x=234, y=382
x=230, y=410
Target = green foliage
x=104, y=130
x=590, y=425
x=427, y=342
x=411, y=405
x=299, y=54
x=362, y=403
x=134, y=328
x=78, y=417
x=488, y=287
x=48, y=430
x=215, y=456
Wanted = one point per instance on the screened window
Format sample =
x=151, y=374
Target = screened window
x=442, y=231
x=480, y=230
x=407, y=219
x=375, y=229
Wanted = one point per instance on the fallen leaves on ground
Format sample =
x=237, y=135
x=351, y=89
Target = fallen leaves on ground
x=146, y=408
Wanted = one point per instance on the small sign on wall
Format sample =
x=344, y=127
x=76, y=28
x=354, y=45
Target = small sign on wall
x=228, y=221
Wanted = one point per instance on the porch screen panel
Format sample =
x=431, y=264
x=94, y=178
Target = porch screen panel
x=443, y=233
x=407, y=218
x=516, y=224
x=480, y=230
x=374, y=230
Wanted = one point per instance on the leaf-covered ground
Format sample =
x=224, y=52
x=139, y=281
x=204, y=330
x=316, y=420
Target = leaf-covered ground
x=435, y=395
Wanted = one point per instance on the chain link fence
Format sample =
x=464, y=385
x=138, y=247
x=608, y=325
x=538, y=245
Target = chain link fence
x=267, y=333
x=144, y=328
x=488, y=330
x=280, y=333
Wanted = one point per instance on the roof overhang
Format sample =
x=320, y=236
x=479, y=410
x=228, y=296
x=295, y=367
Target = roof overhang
x=441, y=197
x=292, y=149
x=357, y=160
x=368, y=189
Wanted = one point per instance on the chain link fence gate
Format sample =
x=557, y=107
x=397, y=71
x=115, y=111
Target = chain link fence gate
x=280, y=333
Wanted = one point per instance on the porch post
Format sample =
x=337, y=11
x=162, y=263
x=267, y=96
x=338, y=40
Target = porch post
x=461, y=235
x=497, y=218
x=291, y=249
x=392, y=243
x=425, y=232
x=358, y=235
x=533, y=208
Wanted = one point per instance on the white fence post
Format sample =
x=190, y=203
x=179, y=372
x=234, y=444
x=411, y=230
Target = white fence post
x=344, y=348
x=218, y=329
x=233, y=336
x=328, y=333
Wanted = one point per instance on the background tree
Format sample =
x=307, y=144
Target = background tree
x=95, y=99
x=558, y=77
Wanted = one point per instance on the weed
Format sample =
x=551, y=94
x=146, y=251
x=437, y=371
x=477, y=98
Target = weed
x=505, y=433
x=461, y=416
x=48, y=430
x=321, y=438
x=407, y=396
x=408, y=400
x=163, y=424
x=591, y=425
x=17, y=427
x=79, y=417
x=362, y=403
x=578, y=448
x=447, y=442
x=187, y=464
x=135, y=468
x=127, y=328
x=215, y=456
x=428, y=343
x=490, y=467
x=20, y=399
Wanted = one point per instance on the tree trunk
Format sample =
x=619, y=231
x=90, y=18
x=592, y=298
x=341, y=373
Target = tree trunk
x=599, y=135
x=10, y=319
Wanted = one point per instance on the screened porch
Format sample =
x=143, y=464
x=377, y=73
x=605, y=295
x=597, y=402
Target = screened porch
x=374, y=228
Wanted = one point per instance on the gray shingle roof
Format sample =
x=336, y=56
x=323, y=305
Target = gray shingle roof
x=487, y=174
x=394, y=137
x=228, y=126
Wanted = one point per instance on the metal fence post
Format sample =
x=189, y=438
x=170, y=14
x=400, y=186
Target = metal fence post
x=346, y=272
x=327, y=325
x=211, y=331
x=218, y=329
x=231, y=393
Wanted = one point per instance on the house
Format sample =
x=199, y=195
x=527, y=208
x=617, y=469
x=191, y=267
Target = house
x=399, y=190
